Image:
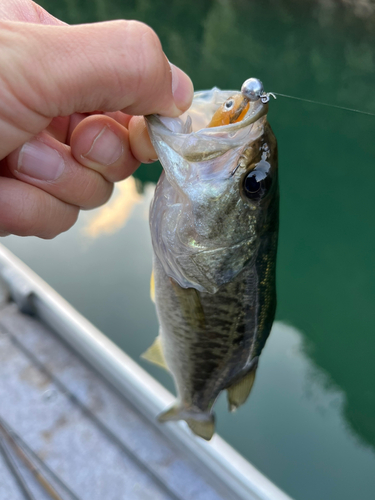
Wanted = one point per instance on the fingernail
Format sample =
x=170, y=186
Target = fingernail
x=152, y=160
x=182, y=88
x=106, y=148
x=39, y=161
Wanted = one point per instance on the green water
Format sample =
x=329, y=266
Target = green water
x=310, y=422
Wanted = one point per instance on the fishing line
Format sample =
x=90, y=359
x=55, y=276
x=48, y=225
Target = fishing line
x=30, y=459
x=326, y=104
x=13, y=467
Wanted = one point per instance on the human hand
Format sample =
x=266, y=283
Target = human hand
x=68, y=94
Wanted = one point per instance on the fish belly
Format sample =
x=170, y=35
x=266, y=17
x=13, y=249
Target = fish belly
x=209, y=341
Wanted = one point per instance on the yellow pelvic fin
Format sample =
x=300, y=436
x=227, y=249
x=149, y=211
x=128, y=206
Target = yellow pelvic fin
x=202, y=428
x=203, y=425
x=239, y=392
x=155, y=355
x=152, y=286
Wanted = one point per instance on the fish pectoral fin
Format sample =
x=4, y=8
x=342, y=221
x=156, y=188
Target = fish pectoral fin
x=239, y=392
x=191, y=306
x=202, y=424
x=187, y=128
x=152, y=286
x=155, y=355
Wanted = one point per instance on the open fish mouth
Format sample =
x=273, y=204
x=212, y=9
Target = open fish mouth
x=189, y=135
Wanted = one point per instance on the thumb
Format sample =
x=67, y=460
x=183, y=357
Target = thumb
x=50, y=71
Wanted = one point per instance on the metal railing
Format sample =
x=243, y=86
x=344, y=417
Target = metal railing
x=226, y=468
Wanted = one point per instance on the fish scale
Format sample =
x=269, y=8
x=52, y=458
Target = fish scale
x=203, y=375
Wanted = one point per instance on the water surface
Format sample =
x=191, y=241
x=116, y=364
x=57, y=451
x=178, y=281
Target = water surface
x=310, y=422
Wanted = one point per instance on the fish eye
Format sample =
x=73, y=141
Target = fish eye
x=229, y=104
x=257, y=183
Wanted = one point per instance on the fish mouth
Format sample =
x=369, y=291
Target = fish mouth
x=205, y=104
x=189, y=135
x=198, y=116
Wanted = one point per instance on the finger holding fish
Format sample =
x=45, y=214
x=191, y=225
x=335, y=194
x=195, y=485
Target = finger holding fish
x=140, y=143
x=101, y=143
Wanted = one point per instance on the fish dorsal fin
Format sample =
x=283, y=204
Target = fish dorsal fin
x=239, y=392
x=155, y=355
x=190, y=303
x=152, y=286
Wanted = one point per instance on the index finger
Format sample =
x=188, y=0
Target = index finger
x=109, y=66
x=51, y=71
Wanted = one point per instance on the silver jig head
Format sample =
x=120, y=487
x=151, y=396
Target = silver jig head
x=252, y=89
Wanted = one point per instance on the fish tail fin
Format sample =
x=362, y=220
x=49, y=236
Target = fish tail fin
x=202, y=424
x=202, y=428
x=240, y=391
x=173, y=413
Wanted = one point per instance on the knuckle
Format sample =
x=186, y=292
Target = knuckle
x=28, y=211
x=28, y=214
x=115, y=173
x=40, y=215
x=150, y=55
x=106, y=194
x=95, y=192
x=67, y=217
x=141, y=31
x=138, y=49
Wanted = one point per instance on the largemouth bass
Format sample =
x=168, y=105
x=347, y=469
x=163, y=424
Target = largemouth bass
x=214, y=227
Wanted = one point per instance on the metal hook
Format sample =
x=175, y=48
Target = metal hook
x=265, y=97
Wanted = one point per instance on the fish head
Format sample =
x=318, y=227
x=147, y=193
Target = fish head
x=216, y=195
